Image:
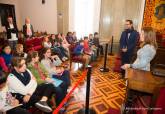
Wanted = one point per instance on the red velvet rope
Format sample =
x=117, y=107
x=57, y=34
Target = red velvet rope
x=69, y=94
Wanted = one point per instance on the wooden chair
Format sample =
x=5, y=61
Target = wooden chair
x=157, y=102
x=33, y=44
x=142, y=84
x=159, y=57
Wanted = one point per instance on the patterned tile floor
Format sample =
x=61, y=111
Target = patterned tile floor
x=107, y=90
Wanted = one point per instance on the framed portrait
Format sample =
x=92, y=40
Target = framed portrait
x=154, y=15
x=158, y=19
x=160, y=11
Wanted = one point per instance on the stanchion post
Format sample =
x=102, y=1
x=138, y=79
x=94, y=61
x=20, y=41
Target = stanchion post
x=88, y=89
x=104, y=69
x=87, y=110
x=111, y=48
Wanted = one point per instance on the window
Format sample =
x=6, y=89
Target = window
x=84, y=16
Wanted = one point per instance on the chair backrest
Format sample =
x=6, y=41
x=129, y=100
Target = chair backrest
x=33, y=44
x=160, y=102
x=71, y=49
x=159, y=57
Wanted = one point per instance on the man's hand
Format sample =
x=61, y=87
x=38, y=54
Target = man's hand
x=124, y=50
x=125, y=66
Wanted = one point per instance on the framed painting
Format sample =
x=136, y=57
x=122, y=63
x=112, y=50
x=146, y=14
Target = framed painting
x=154, y=15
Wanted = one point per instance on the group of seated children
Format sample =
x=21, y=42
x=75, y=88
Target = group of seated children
x=57, y=46
x=33, y=80
x=88, y=48
x=35, y=84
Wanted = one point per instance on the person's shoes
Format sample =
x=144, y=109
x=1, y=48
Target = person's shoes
x=62, y=110
x=69, y=89
x=43, y=106
x=64, y=59
x=66, y=104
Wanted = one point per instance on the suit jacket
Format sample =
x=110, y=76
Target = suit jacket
x=11, y=30
x=25, y=30
x=130, y=42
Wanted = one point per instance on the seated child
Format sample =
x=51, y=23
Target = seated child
x=19, y=51
x=52, y=65
x=42, y=76
x=79, y=51
x=6, y=55
x=89, y=50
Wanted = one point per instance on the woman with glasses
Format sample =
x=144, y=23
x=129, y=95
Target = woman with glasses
x=24, y=87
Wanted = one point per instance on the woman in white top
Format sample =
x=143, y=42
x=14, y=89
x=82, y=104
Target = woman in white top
x=23, y=85
x=51, y=63
x=147, y=51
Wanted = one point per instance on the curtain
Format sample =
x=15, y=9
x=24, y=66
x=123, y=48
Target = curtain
x=84, y=16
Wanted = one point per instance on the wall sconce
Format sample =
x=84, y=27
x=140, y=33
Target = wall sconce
x=43, y=1
x=60, y=15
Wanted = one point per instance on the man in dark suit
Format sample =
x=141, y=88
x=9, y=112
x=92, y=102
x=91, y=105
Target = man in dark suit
x=12, y=32
x=28, y=29
x=128, y=41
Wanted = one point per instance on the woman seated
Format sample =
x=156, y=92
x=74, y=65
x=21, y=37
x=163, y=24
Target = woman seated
x=7, y=100
x=79, y=51
x=52, y=66
x=144, y=56
x=6, y=55
x=147, y=51
x=24, y=87
x=42, y=76
x=19, y=51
